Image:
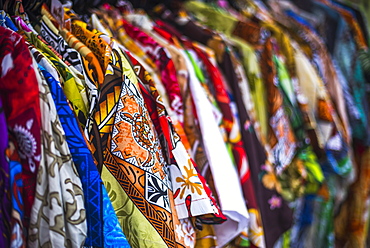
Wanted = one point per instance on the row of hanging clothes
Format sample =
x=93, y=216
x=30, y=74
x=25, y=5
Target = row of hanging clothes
x=184, y=123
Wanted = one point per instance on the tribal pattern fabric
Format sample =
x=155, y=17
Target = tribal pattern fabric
x=164, y=63
x=130, y=159
x=92, y=72
x=84, y=162
x=58, y=216
x=134, y=147
x=74, y=89
x=90, y=62
x=93, y=40
x=52, y=37
x=190, y=196
x=97, y=207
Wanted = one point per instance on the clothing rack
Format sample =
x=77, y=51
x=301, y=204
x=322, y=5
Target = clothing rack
x=189, y=124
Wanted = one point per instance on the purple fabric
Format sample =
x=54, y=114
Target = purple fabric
x=4, y=183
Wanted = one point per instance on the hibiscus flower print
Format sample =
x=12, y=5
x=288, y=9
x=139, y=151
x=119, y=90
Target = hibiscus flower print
x=275, y=202
x=189, y=234
x=179, y=232
x=185, y=232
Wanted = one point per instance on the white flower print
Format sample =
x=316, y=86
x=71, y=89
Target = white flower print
x=189, y=237
x=179, y=232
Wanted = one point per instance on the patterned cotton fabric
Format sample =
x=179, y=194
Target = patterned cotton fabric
x=164, y=63
x=147, y=165
x=120, y=152
x=231, y=124
x=58, y=185
x=22, y=111
x=191, y=199
x=97, y=209
x=6, y=182
x=18, y=238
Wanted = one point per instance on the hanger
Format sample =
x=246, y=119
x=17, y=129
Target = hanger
x=234, y=4
x=13, y=7
x=289, y=5
x=8, y=6
x=304, y=4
